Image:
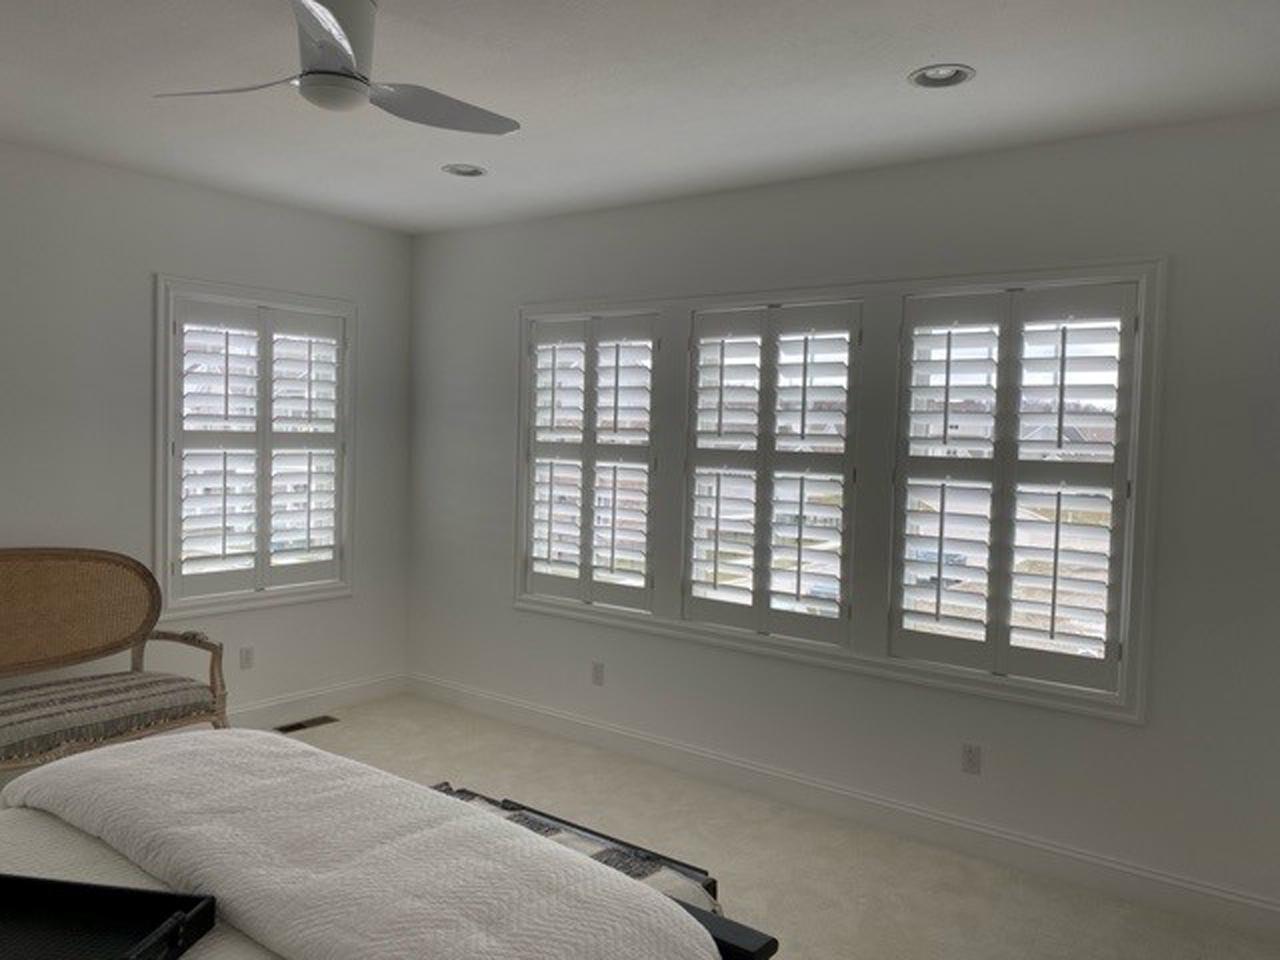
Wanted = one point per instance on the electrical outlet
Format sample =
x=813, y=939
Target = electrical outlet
x=246, y=658
x=971, y=758
x=597, y=673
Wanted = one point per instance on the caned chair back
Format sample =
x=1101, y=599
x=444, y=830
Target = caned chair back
x=60, y=606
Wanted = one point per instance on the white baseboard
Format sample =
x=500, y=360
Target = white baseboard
x=275, y=711
x=1047, y=857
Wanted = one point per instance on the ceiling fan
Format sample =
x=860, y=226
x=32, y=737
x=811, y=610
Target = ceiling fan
x=335, y=40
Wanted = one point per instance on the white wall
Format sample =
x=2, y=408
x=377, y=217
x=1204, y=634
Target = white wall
x=79, y=246
x=1194, y=793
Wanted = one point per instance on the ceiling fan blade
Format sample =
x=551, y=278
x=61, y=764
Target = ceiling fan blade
x=408, y=101
x=325, y=43
x=218, y=93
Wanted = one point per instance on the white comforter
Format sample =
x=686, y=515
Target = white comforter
x=320, y=858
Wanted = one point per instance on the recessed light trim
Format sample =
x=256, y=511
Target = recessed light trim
x=464, y=170
x=936, y=75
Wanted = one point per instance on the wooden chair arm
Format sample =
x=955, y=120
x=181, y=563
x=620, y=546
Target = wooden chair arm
x=193, y=638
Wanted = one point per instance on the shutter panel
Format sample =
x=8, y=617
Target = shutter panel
x=812, y=392
x=1070, y=390
x=218, y=504
x=555, y=546
x=623, y=391
x=303, y=506
x=219, y=378
x=953, y=390
x=723, y=536
x=619, y=542
x=560, y=392
x=806, y=545
x=304, y=467
x=304, y=384
x=1061, y=569
x=728, y=393
x=946, y=556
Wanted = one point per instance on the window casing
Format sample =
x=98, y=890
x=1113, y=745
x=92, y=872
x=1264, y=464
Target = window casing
x=253, y=434
x=589, y=459
x=977, y=522
x=770, y=485
x=1013, y=481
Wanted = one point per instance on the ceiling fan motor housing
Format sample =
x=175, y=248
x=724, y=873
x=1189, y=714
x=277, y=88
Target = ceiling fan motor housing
x=327, y=83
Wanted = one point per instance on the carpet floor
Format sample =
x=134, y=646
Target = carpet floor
x=828, y=888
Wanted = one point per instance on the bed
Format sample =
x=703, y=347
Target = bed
x=315, y=857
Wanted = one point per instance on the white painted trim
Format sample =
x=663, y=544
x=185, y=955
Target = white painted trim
x=287, y=708
x=864, y=644
x=215, y=604
x=1035, y=854
x=167, y=288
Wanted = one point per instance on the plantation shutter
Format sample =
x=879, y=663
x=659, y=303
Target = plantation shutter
x=303, y=447
x=218, y=349
x=590, y=458
x=1070, y=482
x=1012, y=481
x=771, y=476
x=257, y=449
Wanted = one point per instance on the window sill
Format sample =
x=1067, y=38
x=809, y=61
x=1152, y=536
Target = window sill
x=255, y=600
x=1094, y=703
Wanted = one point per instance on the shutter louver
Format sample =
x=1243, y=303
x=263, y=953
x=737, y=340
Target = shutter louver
x=728, y=393
x=806, y=543
x=555, y=546
x=218, y=510
x=812, y=392
x=304, y=384
x=303, y=506
x=1061, y=569
x=219, y=379
x=623, y=391
x=560, y=392
x=620, y=537
x=723, y=540
x=947, y=545
x=953, y=391
x=1070, y=391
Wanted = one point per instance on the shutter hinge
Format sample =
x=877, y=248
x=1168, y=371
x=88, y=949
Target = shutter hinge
x=859, y=336
x=173, y=448
x=657, y=344
x=1128, y=489
x=1119, y=652
x=853, y=475
x=1137, y=321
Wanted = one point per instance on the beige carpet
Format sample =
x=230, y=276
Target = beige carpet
x=828, y=888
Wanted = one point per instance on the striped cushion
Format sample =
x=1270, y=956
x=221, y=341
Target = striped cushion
x=69, y=715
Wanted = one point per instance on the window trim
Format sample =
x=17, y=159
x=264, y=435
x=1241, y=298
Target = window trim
x=168, y=289
x=868, y=649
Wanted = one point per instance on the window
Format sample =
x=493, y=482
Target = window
x=767, y=539
x=253, y=462
x=1013, y=481
x=589, y=453
x=937, y=481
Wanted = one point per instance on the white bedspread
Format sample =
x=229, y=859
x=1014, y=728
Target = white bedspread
x=321, y=858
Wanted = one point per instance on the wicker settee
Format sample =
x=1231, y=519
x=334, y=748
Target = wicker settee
x=60, y=607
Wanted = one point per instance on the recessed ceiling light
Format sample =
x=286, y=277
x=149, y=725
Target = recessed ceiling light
x=941, y=75
x=464, y=170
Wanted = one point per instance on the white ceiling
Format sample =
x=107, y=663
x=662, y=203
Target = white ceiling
x=621, y=100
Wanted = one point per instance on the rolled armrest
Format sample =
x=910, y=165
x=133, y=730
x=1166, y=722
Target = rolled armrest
x=194, y=638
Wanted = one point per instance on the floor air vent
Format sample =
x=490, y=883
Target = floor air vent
x=306, y=724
